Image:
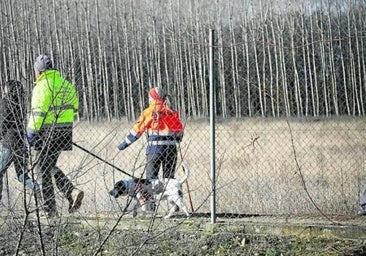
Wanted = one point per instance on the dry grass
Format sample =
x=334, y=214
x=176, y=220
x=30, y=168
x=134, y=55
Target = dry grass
x=256, y=165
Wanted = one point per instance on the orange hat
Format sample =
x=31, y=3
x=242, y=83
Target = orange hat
x=157, y=93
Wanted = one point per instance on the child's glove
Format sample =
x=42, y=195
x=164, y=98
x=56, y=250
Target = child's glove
x=123, y=145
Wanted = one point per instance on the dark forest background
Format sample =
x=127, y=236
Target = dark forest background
x=272, y=58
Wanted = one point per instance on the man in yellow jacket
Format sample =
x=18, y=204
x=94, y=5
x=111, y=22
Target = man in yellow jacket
x=53, y=108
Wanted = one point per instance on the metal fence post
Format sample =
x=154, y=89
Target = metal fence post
x=212, y=126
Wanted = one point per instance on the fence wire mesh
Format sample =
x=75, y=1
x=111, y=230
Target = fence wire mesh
x=289, y=104
x=290, y=85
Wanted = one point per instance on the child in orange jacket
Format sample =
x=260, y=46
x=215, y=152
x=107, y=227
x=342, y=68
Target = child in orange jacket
x=164, y=130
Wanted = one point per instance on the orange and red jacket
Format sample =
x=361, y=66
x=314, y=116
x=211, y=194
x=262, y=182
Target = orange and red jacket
x=161, y=124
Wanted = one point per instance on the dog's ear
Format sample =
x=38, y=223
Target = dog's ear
x=121, y=186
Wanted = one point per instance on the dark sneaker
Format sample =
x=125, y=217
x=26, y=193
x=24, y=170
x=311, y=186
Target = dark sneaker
x=75, y=200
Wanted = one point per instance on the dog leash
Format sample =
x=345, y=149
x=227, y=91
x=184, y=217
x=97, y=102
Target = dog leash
x=101, y=159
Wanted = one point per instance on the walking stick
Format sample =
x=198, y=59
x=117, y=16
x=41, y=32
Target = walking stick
x=101, y=159
x=189, y=191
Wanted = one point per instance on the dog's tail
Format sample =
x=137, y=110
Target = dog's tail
x=186, y=173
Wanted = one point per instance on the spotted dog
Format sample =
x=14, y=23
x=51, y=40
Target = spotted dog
x=149, y=192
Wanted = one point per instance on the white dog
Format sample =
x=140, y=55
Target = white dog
x=149, y=192
x=171, y=190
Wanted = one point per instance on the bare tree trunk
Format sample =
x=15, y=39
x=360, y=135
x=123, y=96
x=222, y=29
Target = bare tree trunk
x=107, y=78
x=256, y=63
x=246, y=59
x=344, y=76
x=37, y=39
x=283, y=69
x=332, y=72
x=177, y=55
x=129, y=106
x=81, y=65
x=276, y=96
x=191, y=62
x=221, y=86
x=263, y=90
x=305, y=54
x=166, y=63
x=58, y=43
x=140, y=61
x=4, y=36
x=190, y=80
x=235, y=72
x=47, y=26
x=362, y=73
x=351, y=72
x=270, y=66
x=26, y=55
x=297, y=92
x=13, y=40
x=98, y=74
x=117, y=63
x=361, y=110
x=315, y=91
x=323, y=67
x=90, y=88
x=69, y=52
x=202, y=77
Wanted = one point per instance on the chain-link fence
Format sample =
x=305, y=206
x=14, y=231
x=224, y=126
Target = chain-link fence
x=290, y=132
x=289, y=96
x=263, y=166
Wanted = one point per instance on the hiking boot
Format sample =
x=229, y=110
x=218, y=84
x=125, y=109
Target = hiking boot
x=75, y=200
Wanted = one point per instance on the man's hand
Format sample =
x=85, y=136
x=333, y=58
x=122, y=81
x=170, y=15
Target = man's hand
x=31, y=136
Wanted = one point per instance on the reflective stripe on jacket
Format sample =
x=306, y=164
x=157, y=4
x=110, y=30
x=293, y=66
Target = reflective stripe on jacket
x=54, y=102
x=161, y=124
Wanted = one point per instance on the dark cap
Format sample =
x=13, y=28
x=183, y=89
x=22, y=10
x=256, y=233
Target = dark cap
x=43, y=62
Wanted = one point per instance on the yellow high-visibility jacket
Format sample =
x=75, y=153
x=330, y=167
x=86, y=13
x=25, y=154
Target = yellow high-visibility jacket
x=54, y=103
